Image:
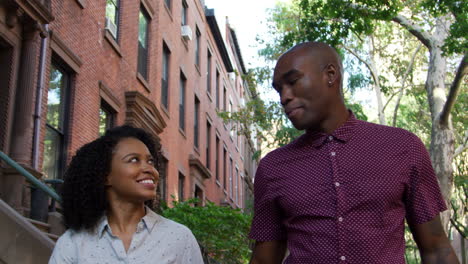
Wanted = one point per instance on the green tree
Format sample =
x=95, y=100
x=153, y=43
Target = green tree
x=220, y=231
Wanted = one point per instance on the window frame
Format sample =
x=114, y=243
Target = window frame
x=196, y=123
x=106, y=108
x=66, y=90
x=116, y=3
x=197, y=47
x=143, y=59
x=208, y=144
x=165, y=76
x=182, y=100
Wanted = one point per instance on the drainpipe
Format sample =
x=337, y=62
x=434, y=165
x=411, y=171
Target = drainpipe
x=38, y=106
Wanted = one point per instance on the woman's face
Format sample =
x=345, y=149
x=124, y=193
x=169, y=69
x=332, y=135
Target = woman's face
x=133, y=177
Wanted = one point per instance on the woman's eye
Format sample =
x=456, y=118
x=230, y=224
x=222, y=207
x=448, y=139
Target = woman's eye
x=134, y=159
x=151, y=161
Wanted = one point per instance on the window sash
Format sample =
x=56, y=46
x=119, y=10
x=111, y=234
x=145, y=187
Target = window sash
x=208, y=145
x=208, y=72
x=197, y=49
x=143, y=44
x=182, y=84
x=196, y=122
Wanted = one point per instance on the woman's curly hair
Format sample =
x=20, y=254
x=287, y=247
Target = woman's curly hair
x=83, y=191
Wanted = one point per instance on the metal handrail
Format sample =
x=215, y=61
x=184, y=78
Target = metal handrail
x=37, y=183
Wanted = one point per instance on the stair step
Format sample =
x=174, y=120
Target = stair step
x=44, y=227
x=52, y=236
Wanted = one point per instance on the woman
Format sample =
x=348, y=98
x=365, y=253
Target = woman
x=107, y=185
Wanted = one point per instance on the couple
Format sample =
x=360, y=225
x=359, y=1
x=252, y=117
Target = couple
x=338, y=194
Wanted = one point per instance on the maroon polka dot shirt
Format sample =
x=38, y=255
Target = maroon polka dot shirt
x=343, y=198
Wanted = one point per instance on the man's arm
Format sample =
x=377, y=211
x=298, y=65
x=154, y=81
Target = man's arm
x=433, y=244
x=268, y=252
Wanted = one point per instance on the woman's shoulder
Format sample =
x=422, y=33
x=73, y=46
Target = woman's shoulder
x=173, y=226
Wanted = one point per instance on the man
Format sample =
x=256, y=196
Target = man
x=340, y=193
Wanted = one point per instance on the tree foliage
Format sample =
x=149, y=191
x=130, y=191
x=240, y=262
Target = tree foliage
x=220, y=231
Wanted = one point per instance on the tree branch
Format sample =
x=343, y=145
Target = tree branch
x=403, y=82
x=414, y=29
x=462, y=147
x=363, y=61
x=454, y=89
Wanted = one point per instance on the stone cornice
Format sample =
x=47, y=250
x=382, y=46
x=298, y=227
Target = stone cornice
x=141, y=112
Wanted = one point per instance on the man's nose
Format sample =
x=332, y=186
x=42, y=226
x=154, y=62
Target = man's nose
x=286, y=95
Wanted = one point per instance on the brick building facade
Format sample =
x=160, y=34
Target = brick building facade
x=70, y=69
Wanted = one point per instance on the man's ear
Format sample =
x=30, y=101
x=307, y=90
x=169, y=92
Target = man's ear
x=332, y=73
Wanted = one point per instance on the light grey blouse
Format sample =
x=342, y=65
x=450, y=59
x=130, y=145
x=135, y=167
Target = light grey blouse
x=156, y=240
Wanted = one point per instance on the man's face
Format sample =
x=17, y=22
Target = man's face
x=302, y=85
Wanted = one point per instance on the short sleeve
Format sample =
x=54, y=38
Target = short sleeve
x=192, y=253
x=267, y=222
x=64, y=251
x=424, y=199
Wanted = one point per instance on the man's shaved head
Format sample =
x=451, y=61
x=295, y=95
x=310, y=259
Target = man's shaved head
x=321, y=52
x=308, y=78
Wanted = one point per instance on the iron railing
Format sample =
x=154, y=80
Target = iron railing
x=34, y=181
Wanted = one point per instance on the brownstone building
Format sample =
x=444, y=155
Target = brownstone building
x=72, y=68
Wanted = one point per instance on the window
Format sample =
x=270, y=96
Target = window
x=237, y=185
x=208, y=144
x=165, y=77
x=225, y=168
x=208, y=72
x=230, y=177
x=112, y=17
x=224, y=99
x=196, y=123
x=199, y=195
x=217, y=89
x=54, y=143
x=217, y=159
x=182, y=84
x=197, y=48
x=183, y=17
x=168, y=4
x=231, y=132
x=181, y=187
x=241, y=188
x=163, y=179
x=106, y=117
x=143, y=21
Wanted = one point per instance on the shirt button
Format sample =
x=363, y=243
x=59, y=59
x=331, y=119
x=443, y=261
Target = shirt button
x=340, y=219
x=330, y=138
x=333, y=153
x=337, y=184
x=343, y=258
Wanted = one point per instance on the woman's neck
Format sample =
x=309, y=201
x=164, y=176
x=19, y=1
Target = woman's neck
x=123, y=217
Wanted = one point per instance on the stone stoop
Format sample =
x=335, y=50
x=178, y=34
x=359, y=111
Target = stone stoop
x=44, y=227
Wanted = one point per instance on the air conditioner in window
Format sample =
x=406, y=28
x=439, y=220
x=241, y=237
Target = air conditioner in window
x=186, y=32
x=111, y=27
x=232, y=76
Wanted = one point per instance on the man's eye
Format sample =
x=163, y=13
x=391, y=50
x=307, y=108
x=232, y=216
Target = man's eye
x=293, y=81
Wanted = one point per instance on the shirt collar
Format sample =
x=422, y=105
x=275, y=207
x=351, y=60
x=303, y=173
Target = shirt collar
x=148, y=222
x=342, y=133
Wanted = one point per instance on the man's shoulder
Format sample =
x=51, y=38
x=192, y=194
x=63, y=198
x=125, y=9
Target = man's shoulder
x=283, y=151
x=371, y=130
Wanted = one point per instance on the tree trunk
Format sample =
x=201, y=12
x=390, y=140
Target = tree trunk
x=375, y=75
x=442, y=137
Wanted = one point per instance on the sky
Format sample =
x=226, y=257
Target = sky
x=248, y=18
